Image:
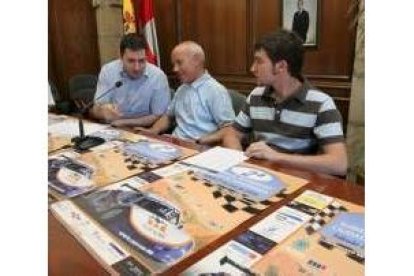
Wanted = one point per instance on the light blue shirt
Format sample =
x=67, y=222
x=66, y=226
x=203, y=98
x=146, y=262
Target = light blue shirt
x=148, y=94
x=200, y=108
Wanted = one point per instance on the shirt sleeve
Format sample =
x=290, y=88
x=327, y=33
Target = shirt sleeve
x=222, y=108
x=243, y=121
x=102, y=86
x=328, y=127
x=171, y=107
x=161, y=96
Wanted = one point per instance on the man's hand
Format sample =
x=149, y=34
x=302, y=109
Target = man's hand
x=110, y=112
x=213, y=138
x=333, y=159
x=261, y=150
x=118, y=123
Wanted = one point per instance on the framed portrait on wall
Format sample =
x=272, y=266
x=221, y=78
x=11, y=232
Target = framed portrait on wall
x=302, y=17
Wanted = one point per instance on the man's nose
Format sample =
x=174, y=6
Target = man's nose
x=137, y=66
x=175, y=68
x=253, y=68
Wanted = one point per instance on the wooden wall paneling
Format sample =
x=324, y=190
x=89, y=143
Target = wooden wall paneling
x=251, y=33
x=55, y=69
x=165, y=14
x=268, y=17
x=221, y=28
x=52, y=71
x=243, y=84
x=335, y=52
x=72, y=26
x=228, y=30
x=188, y=14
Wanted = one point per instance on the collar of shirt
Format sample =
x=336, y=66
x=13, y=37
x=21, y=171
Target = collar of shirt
x=299, y=94
x=124, y=74
x=198, y=82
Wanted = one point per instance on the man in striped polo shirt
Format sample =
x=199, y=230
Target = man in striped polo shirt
x=294, y=123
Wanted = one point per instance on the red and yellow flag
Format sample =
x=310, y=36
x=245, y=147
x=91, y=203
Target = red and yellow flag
x=146, y=22
x=138, y=16
x=128, y=16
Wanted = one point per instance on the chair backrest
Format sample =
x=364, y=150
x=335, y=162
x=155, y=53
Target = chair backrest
x=237, y=100
x=82, y=87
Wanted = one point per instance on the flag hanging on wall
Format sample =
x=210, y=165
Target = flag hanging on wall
x=128, y=17
x=146, y=23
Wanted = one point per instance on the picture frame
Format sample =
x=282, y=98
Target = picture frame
x=305, y=22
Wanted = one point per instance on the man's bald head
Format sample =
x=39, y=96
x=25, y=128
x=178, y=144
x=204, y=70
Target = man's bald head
x=188, y=60
x=192, y=49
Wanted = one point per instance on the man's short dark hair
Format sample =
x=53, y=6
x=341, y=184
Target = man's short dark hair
x=284, y=45
x=132, y=41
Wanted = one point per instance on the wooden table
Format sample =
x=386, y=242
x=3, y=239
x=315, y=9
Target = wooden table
x=68, y=257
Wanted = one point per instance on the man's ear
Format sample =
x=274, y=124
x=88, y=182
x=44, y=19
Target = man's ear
x=280, y=66
x=274, y=69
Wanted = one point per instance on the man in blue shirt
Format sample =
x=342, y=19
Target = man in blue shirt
x=144, y=95
x=201, y=105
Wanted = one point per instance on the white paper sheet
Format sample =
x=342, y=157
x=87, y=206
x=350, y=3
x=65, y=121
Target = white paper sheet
x=71, y=128
x=54, y=119
x=216, y=159
x=96, y=239
x=226, y=260
x=280, y=224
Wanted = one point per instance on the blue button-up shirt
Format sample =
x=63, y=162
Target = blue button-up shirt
x=146, y=95
x=200, y=108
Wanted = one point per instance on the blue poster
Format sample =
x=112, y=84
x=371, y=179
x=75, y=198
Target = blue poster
x=153, y=152
x=149, y=224
x=69, y=177
x=255, y=184
x=347, y=230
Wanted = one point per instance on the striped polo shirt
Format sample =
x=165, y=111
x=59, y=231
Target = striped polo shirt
x=300, y=124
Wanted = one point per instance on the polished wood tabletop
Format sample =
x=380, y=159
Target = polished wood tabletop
x=66, y=256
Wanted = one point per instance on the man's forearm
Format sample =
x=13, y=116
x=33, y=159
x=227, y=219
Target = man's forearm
x=106, y=112
x=323, y=163
x=232, y=138
x=96, y=112
x=213, y=138
x=143, y=121
x=161, y=125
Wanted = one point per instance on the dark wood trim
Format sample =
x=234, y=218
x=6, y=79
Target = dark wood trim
x=330, y=77
x=341, y=83
x=57, y=50
x=178, y=15
x=251, y=31
x=115, y=5
x=73, y=42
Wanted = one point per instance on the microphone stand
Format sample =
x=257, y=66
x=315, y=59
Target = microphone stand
x=84, y=142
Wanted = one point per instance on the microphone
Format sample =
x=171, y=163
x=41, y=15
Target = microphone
x=90, y=104
x=83, y=142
